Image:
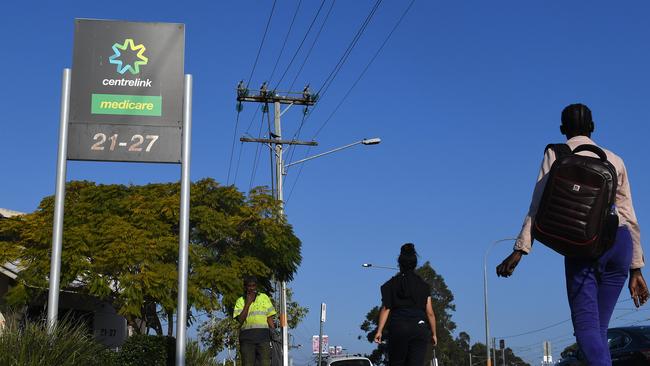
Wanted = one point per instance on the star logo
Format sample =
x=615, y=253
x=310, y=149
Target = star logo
x=133, y=68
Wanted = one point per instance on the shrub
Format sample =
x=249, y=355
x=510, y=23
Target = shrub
x=147, y=350
x=28, y=344
x=195, y=356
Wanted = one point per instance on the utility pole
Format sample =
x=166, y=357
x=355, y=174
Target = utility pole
x=265, y=96
x=494, y=351
x=502, y=345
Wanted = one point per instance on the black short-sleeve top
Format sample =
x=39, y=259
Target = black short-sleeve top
x=406, y=294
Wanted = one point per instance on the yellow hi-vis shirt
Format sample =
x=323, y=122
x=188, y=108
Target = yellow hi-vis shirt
x=258, y=312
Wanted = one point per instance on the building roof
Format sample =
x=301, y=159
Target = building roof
x=9, y=213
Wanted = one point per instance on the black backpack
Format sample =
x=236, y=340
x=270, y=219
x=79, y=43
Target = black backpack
x=576, y=216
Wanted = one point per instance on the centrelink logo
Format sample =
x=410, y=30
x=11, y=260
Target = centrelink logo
x=133, y=68
x=121, y=67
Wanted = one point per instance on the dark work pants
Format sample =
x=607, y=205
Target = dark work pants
x=407, y=342
x=255, y=353
x=593, y=287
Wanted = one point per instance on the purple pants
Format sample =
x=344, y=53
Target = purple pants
x=593, y=287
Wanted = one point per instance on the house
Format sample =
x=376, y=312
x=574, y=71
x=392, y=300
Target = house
x=108, y=327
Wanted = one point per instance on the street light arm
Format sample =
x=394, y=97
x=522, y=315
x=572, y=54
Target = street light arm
x=372, y=141
x=370, y=265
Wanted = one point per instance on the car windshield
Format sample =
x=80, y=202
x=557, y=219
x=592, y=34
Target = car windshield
x=644, y=332
x=351, y=363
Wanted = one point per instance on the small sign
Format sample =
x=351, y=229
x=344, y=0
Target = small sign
x=323, y=312
x=324, y=346
x=126, y=95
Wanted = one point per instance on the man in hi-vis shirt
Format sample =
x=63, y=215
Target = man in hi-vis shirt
x=254, y=312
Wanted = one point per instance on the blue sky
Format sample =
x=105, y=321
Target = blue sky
x=465, y=95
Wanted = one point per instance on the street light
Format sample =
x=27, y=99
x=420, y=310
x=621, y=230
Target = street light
x=370, y=265
x=281, y=171
x=485, y=299
x=372, y=141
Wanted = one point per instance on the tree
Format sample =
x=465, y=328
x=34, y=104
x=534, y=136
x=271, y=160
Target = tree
x=478, y=353
x=450, y=350
x=120, y=243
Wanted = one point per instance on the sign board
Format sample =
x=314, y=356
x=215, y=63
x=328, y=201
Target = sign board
x=109, y=328
x=126, y=96
x=324, y=347
x=323, y=312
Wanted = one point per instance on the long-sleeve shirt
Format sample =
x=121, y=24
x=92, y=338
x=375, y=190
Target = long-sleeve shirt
x=623, y=202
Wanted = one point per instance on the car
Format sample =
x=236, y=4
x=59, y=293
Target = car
x=569, y=361
x=629, y=346
x=345, y=360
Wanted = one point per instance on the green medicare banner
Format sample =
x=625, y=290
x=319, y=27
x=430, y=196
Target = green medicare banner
x=129, y=105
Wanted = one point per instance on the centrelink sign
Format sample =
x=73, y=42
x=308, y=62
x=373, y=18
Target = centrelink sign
x=127, y=91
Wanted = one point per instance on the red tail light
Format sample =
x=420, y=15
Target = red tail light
x=646, y=353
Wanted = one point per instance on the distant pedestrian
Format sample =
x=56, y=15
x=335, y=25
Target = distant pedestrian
x=593, y=286
x=406, y=308
x=254, y=312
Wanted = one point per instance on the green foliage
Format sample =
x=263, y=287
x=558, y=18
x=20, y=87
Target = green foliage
x=450, y=350
x=219, y=333
x=479, y=353
x=66, y=345
x=147, y=350
x=195, y=356
x=120, y=243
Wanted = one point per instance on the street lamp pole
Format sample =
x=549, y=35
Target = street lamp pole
x=280, y=171
x=370, y=265
x=485, y=299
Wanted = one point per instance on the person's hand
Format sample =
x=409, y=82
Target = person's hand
x=434, y=340
x=638, y=287
x=378, y=337
x=508, y=265
x=250, y=297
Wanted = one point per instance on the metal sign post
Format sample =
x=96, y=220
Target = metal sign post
x=59, y=199
x=126, y=100
x=183, y=244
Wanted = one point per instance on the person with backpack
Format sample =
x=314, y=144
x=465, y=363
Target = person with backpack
x=597, y=265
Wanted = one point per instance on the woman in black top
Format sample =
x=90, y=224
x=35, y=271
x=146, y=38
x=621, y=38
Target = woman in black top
x=407, y=298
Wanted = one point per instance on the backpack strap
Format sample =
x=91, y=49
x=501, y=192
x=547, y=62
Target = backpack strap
x=560, y=150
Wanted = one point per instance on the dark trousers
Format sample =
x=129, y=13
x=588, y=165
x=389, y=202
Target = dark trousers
x=593, y=288
x=407, y=342
x=255, y=353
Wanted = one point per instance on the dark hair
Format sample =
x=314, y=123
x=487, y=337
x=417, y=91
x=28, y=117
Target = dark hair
x=250, y=279
x=408, y=257
x=576, y=120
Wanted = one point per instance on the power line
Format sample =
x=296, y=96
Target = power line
x=286, y=37
x=330, y=78
x=337, y=68
x=293, y=82
x=295, y=181
x=536, y=330
x=259, y=50
x=257, y=154
x=366, y=67
x=301, y=43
